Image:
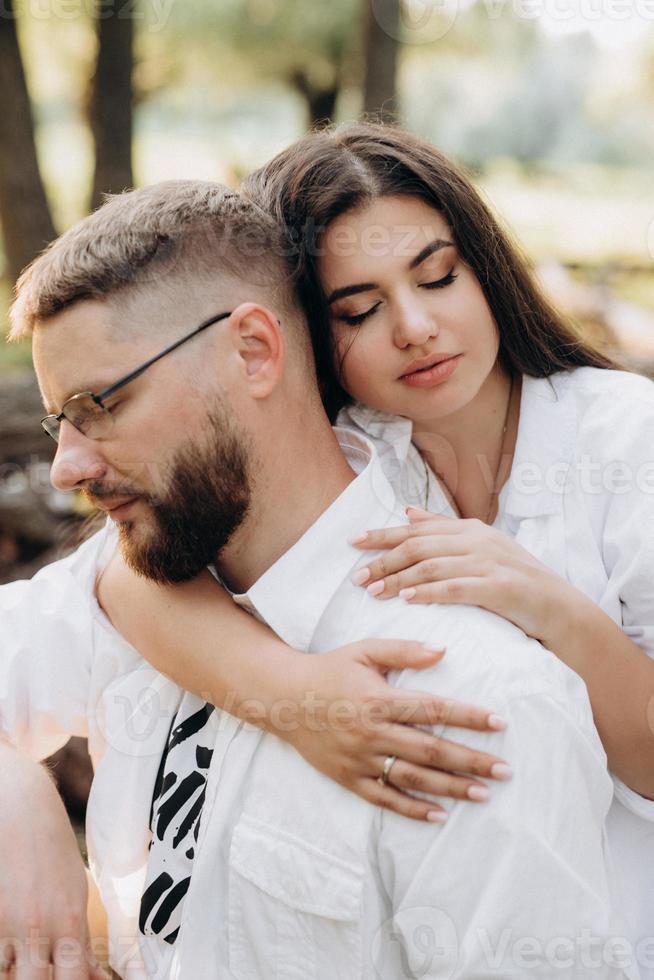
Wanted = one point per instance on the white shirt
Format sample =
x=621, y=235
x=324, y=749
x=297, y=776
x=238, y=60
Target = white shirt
x=581, y=499
x=295, y=877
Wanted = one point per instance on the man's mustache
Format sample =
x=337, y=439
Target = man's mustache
x=98, y=493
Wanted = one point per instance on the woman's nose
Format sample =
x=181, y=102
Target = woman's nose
x=77, y=461
x=414, y=326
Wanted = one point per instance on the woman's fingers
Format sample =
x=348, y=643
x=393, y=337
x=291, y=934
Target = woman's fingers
x=397, y=654
x=428, y=571
x=419, y=708
x=410, y=553
x=417, y=514
x=431, y=752
x=410, y=778
x=391, y=537
x=398, y=802
x=471, y=591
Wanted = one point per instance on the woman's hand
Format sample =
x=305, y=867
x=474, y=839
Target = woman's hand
x=336, y=709
x=443, y=559
x=346, y=720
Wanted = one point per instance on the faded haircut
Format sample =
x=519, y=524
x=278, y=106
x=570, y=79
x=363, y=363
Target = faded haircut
x=155, y=237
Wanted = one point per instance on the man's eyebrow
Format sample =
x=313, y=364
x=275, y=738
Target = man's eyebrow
x=364, y=287
x=428, y=250
x=94, y=389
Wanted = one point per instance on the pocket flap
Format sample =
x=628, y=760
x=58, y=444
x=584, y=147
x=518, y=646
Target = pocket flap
x=295, y=872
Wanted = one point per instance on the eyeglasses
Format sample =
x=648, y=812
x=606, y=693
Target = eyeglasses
x=88, y=412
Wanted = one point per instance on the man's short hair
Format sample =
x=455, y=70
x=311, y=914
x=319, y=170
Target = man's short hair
x=142, y=238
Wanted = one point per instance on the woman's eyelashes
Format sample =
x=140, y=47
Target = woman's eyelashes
x=440, y=283
x=355, y=319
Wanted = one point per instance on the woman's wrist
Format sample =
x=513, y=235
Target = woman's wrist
x=570, y=616
x=276, y=704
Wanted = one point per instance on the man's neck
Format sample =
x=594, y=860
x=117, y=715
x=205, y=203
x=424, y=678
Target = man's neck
x=290, y=493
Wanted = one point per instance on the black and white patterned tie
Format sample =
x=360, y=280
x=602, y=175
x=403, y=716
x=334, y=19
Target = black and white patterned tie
x=175, y=815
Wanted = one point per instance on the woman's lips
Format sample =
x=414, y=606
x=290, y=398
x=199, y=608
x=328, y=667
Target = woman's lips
x=432, y=376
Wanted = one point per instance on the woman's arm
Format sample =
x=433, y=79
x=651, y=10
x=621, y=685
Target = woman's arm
x=196, y=635
x=439, y=559
x=620, y=681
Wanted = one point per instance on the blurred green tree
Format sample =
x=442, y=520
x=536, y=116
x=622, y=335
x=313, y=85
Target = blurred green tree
x=317, y=49
x=24, y=211
x=110, y=107
x=381, y=50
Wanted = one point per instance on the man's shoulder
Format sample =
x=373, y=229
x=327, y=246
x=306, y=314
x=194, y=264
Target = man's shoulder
x=71, y=578
x=487, y=658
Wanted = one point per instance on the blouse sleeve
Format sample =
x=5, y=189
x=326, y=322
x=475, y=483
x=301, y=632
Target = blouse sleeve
x=625, y=432
x=46, y=652
x=623, y=429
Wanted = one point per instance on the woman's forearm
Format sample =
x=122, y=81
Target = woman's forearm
x=195, y=634
x=620, y=681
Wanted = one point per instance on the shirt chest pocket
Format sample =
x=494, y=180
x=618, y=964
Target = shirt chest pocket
x=294, y=911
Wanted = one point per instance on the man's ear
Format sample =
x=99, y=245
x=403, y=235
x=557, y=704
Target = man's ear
x=258, y=343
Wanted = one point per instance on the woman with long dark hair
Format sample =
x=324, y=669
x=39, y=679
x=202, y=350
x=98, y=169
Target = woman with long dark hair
x=524, y=450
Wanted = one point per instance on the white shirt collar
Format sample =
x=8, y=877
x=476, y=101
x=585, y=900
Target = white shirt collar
x=395, y=430
x=544, y=449
x=294, y=593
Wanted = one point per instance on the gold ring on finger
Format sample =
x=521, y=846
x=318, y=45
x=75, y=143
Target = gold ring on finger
x=389, y=762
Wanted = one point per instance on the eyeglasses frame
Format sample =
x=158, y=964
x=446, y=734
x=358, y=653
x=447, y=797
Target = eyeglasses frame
x=132, y=376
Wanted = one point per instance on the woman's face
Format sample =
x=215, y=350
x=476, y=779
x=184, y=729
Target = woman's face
x=413, y=330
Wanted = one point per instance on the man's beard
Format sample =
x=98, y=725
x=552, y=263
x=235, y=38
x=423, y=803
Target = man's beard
x=205, y=500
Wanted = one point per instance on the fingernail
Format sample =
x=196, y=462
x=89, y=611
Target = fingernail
x=361, y=576
x=358, y=538
x=375, y=588
x=496, y=723
x=478, y=793
x=432, y=648
x=407, y=594
x=500, y=770
x=437, y=816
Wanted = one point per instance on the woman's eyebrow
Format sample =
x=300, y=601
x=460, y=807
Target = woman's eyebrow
x=428, y=250
x=363, y=287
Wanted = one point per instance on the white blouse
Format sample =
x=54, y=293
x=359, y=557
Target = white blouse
x=580, y=498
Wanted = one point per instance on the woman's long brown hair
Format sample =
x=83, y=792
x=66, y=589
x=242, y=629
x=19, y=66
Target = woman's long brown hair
x=333, y=171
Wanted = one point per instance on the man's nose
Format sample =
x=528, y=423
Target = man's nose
x=414, y=325
x=78, y=460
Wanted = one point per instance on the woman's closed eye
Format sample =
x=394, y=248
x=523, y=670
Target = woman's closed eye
x=354, y=319
x=440, y=283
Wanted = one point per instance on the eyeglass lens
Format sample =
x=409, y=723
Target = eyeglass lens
x=85, y=414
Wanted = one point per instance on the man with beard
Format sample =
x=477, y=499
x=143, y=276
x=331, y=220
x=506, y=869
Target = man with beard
x=184, y=403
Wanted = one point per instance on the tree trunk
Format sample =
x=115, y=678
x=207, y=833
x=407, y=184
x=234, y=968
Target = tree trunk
x=111, y=104
x=320, y=102
x=381, y=45
x=24, y=213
